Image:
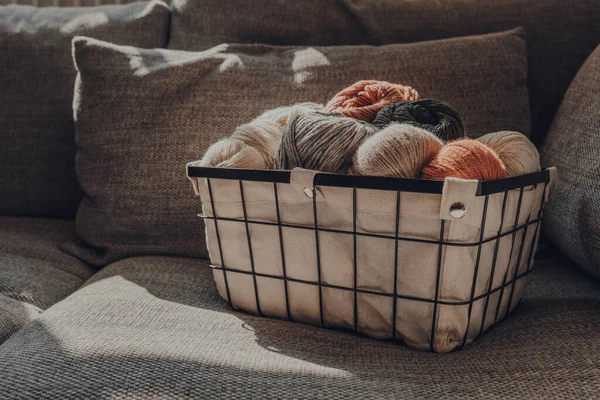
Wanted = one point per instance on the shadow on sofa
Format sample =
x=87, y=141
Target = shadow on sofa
x=155, y=326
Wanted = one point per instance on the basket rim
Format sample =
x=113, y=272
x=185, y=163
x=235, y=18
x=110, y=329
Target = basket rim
x=367, y=182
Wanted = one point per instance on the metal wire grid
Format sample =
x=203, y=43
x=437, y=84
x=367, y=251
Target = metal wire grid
x=504, y=186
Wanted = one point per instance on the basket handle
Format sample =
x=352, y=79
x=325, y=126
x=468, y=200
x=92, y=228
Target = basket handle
x=457, y=197
x=552, y=175
x=194, y=180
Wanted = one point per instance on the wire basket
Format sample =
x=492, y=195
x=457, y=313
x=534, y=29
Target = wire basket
x=431, y=264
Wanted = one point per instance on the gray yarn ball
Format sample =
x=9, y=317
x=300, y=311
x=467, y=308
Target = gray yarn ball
x=434, y=116
x=322, y=142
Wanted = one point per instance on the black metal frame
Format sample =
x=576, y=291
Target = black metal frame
x=398, y=185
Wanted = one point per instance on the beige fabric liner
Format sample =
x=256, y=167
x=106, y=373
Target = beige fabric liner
x=420, y=218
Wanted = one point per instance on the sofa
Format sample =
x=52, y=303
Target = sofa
x=105, y=286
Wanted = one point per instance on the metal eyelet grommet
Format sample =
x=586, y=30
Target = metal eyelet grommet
x=458, y=210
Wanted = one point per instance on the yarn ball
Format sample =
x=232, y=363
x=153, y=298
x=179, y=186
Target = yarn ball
x=364, y=99
x=253, y=145
x=322, y=142
x=517, y=152
x=433, y=115
x=398, y=151
x=284, y=115
x=466, y=159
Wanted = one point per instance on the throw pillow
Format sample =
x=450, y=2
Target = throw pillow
x=571, y=217
x=141, y=115
x=37, y=150
x=560, y=33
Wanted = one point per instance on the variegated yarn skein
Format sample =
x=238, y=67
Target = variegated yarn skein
x=517, y=152
x=322, y=142
x=364, y=99
x=398, y=151
x=432, y=115
x=253, y=145
x=466, y=159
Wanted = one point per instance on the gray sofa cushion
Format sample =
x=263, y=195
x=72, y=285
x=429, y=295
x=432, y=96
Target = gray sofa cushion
x=37, y=148
x=154, y=327
x=14, y=315
x=560, y=33
x=573, y=146
x=143, y=114
x=34, y=273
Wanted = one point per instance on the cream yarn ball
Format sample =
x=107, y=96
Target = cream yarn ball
x=253, y=145
x=515, y=150
x=284, y=115
x=398, y=151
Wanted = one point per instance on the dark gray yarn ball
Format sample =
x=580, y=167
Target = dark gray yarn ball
x=434, y=116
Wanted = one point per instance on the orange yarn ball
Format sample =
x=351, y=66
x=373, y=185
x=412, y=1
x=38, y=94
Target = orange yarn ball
x=466, y=159
x=364, y=99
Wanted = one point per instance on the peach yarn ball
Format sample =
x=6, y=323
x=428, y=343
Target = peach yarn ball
x=465, y=159
x=364, y=99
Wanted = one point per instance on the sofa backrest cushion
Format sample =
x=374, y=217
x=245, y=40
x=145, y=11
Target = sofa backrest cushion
x=560, y=33
x=37, y=144
x=572, y=216
x=141, y=115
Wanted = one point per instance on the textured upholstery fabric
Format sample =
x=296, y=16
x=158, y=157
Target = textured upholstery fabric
x=154, y=327
x=573, y=146
x=34, y=273
x=14, y=315
x=65, y=3
x=146, y=113
x=560, y=33
x=36, y=117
